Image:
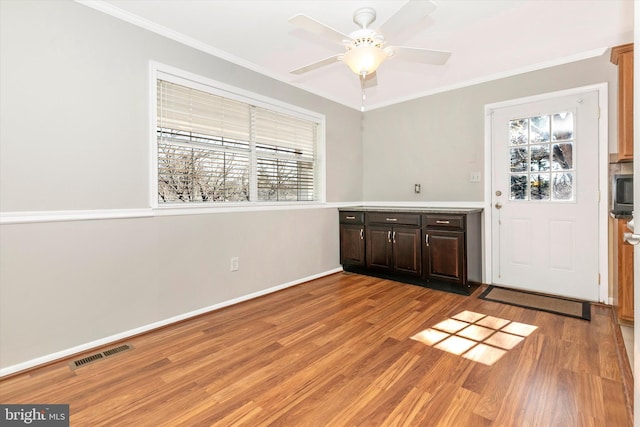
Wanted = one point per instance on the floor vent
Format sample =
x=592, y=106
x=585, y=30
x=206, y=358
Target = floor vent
x=99, y=356
x=113, y=351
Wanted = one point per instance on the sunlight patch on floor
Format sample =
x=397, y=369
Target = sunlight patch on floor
x=475, y=336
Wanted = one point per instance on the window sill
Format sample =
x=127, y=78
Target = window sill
x=233, y=207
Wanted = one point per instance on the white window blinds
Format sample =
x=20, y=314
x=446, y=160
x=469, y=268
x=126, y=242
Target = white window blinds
x=215, y=149
x=285, y=156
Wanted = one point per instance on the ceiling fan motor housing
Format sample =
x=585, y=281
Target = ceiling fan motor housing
x=365, y=38
x=364, y=16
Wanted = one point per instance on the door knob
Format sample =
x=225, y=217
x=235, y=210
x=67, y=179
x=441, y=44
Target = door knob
x=632, y=239
x=498, y=205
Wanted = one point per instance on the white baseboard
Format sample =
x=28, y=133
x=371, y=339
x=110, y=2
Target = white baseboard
x=146, y=328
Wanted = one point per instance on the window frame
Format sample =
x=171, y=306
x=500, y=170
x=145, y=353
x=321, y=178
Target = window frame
x=188, y=79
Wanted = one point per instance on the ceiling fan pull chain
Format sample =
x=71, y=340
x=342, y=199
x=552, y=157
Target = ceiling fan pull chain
x=364, y=95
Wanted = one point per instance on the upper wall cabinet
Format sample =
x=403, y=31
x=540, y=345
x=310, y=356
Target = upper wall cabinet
x=622, y=56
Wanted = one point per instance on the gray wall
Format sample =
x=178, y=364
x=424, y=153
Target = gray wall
x=74, y=123
x=438, y=140
x=74, y=135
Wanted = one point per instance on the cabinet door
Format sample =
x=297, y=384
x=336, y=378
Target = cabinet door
x=444, y=257
x=352, y=244
x=378, y=247
x=622, y=56
x=625, y=107
x=407, y=254
x=625, y=275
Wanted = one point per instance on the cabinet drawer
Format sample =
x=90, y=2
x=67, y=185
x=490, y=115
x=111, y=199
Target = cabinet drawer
x=393, y=218
x=351, y=217
x=446, y=221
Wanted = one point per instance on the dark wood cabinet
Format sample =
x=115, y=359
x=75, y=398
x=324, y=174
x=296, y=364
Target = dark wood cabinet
x=438, y=249
x=407, y=251
x=352, y=250
x=452, y=247
x=378, y=247
x=444, y=256
x=393, y=243
x=352, y=244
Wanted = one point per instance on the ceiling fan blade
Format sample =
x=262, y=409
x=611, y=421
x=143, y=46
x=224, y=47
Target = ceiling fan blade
x=318, y=28
x=406, y=16
x=317, y=64
x=426, y=56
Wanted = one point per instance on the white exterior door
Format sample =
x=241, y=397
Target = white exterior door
x=545, y=195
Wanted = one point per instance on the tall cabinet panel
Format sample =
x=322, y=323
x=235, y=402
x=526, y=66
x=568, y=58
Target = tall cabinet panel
x=622, y=56
x=625, y=274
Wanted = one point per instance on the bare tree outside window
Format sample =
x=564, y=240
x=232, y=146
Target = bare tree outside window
x=192, y=175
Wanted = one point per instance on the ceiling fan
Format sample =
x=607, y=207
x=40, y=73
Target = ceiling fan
x=366, y=48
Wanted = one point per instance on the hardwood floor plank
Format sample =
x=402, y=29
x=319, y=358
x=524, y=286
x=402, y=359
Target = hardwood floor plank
x=409, y=410
x=460, y=410
x=347, y=350
x=616, y=413
x=436, y=411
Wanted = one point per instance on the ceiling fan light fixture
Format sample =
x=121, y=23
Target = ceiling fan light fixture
x=364, y=60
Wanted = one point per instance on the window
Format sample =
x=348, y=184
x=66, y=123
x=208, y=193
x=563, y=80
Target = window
x=215, y=146
x=541, y=151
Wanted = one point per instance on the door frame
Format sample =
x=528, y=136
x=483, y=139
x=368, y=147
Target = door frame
x=603, y=173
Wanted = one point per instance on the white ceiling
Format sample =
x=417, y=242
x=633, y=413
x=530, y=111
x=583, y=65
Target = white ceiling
x=488, y=38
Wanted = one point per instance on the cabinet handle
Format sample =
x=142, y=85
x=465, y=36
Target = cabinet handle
x=442, y=222
x=351, y=217
x=391, y=219
x=389, y=236
x=362, y=234
x=426, y=239
x=394, y=237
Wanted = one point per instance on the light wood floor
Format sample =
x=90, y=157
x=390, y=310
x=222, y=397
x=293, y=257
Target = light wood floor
x=338, y=351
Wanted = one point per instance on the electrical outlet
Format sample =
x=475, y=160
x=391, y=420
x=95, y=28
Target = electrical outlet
x=235, y=263
x=474, y=177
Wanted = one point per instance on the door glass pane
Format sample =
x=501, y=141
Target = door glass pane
x=518, y=187
x=540, y=186
x=519, y=159
x=540, y=157
x=562, y=186
x=519, y=131
x=562, y=156
x=539, y=129
x=540, y=145
x=562, y=126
